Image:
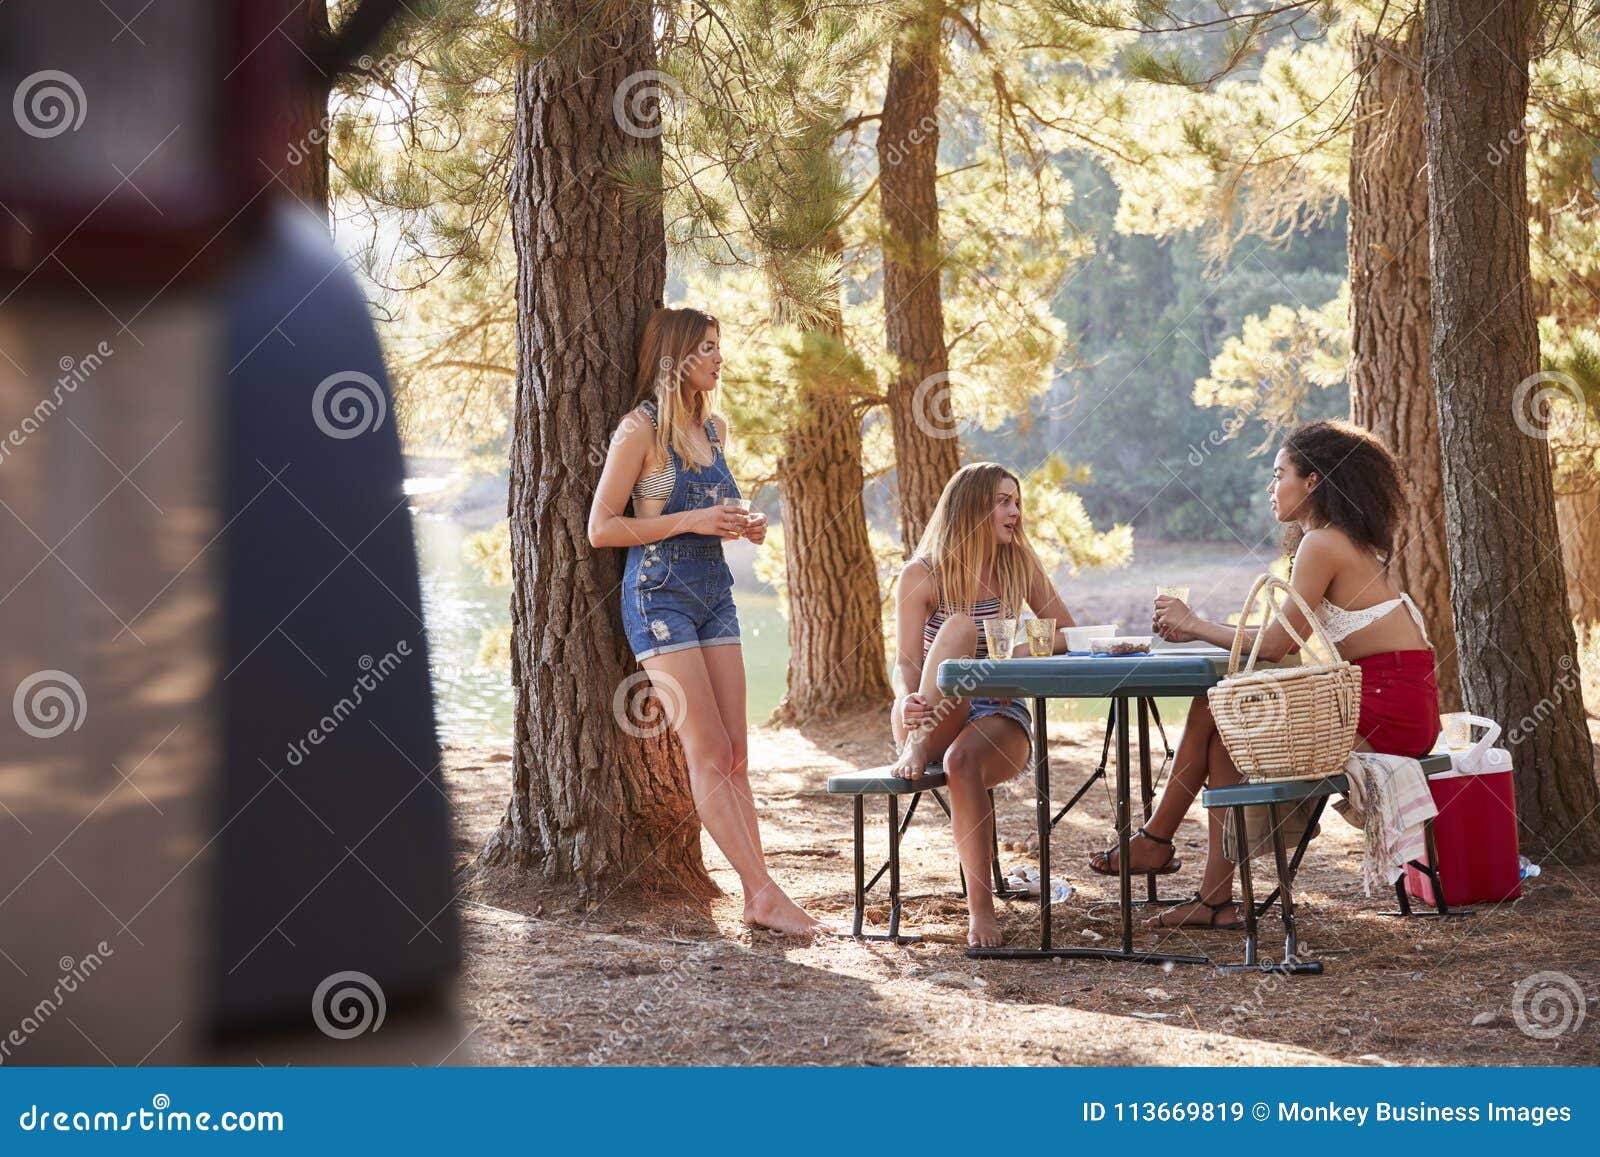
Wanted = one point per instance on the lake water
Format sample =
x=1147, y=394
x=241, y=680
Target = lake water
x=473, y=697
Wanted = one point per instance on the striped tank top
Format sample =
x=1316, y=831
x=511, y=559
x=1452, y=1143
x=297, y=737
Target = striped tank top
x=983, y=609
x=656, y=487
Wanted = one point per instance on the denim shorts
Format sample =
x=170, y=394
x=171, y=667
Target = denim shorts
x=677, y=595
x=1016, y=709
x=982, y=708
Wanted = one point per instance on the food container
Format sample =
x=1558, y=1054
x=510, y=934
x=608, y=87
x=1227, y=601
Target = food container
x=1121, y=645
x=1079, y=638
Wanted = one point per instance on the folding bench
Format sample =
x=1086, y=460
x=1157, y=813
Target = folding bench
x=882, y=781
x=1275, y=794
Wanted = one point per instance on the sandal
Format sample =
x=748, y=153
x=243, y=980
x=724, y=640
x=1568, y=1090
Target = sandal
x=1100, y=862
x=1211, y=924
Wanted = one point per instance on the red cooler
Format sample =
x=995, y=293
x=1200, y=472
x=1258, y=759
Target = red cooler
x=1476, y=829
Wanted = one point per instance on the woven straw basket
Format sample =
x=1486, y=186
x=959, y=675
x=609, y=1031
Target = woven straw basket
x=1289, y=722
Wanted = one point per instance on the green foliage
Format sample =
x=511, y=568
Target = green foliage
x=1271, y=366
x=1148, y=323
x=1571, y=359
x=490, y=551
x=1059, y=525
x=421, y=150
x=759, y=190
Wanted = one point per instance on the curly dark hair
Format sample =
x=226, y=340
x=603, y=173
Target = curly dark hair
x=1359, y=488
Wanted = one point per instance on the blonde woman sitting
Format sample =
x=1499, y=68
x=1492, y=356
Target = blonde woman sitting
x=974, y=562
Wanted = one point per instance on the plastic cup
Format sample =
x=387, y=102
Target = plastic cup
x=1001, y=635
x=740, y=504
x=1457, y=728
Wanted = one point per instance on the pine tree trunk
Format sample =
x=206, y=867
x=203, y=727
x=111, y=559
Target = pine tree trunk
x=593, y=803
x=1508, y=589
x=1391, y=383
x=836, y=656
x=1578, y=519
x=305, y=163
x=920, y=414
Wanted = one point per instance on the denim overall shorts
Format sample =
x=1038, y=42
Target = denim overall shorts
x=678, y=593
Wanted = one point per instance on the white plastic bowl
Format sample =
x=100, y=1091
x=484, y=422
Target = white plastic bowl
x=1079, y=638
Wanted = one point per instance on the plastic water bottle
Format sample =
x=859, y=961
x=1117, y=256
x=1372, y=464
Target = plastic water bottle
x=1529, y=868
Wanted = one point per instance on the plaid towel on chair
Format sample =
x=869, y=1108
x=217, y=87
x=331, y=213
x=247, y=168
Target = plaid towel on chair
x=1390, y=802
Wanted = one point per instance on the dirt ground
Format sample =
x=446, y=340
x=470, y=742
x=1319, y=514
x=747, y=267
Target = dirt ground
x=639, y=980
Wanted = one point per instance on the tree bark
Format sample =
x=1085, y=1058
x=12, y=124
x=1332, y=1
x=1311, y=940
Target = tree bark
x=599, y=792
x=1509, y=593
x=1578, y=519
x=836, y=656
x=920, y=415
x=305, y=163
x=1391, y=382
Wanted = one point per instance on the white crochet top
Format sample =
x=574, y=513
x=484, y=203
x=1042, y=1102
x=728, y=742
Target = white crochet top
x=1341, y=623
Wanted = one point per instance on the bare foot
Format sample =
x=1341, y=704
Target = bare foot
x=770, y=907
x=983, y=930
x=1225, y=916
x=913, y=761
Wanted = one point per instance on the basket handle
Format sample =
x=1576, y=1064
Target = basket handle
x=1273, y=585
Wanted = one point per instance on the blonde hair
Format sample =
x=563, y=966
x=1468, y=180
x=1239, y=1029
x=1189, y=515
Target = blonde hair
x=960, y=537
x=671, y=341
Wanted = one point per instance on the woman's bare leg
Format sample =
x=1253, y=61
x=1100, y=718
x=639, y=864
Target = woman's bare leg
x=721, y=795
x=957, y=639
x=1190, y=766
x=725, y=668
x=770, y=906
x=986, y=753
x=1216, y=886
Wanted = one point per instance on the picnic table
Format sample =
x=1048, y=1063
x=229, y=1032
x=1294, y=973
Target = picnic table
x=1186, y=670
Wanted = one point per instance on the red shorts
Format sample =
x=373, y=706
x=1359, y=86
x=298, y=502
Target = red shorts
x=1399, y=702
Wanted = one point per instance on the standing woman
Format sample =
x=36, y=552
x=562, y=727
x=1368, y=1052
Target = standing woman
x=677, y=592
x=973, y=563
